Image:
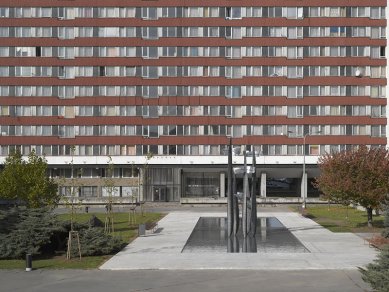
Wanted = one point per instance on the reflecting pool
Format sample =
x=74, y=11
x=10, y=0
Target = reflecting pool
x=210, y=235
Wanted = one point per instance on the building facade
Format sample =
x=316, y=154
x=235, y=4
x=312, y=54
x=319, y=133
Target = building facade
x=162, y=86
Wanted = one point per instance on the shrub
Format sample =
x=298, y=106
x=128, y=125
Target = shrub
x=37, y=231
x=385, y=233
x=377, y=273
x=25, y=231
x=93, y=240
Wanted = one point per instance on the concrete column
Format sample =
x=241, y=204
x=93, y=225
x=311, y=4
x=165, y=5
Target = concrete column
x=263, y=229
x=222, y=185
x=304, y=185
x=263, y=185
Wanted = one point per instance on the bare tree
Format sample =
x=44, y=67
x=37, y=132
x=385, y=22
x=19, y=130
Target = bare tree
x=73, y=204
x=110, y=188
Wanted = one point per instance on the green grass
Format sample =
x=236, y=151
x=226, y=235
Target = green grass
x=121, y=228
x=342, y=219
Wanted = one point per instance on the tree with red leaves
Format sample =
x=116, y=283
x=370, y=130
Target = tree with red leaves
x=359, y=176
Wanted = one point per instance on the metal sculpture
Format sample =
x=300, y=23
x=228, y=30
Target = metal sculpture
x=248, y=199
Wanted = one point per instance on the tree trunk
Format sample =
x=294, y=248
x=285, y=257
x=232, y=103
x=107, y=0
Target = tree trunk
x=369, y=211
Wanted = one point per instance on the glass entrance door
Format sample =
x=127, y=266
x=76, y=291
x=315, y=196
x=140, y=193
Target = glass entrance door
x=159, y=194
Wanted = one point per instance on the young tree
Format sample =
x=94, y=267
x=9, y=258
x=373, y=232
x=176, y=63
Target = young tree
x=145, y=177
x=359, y=176
x=110, y=188
x=27, y=181
x=71, y=199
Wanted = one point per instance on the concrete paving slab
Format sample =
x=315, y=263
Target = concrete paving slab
x=328, y=250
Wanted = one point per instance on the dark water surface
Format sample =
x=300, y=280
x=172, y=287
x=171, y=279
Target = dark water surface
x=210, y=235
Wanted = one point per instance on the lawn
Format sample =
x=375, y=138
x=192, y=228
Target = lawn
x=121, y=228
x=343, y=219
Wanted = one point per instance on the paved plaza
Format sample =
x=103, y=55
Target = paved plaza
x=162, y=250
x=155, y=262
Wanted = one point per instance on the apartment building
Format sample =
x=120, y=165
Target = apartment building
x=160, y=87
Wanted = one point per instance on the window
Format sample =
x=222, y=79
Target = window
x=234, y=52
x=253, y=51
x=43, y=32
x=150, y=91
x=334, y=31
x=4, y=51
x=275, y=12
x=378, y=111
x=360, y=51
x=170, y=12
x=25, y=51
x=295, y=92
x=169, y=51
x=276, y=31
x=233, y=12
x=233, y=91
x=275, y=71
x=193, y=11
x=4, y=71
x=254, y=31
x=295, y=52
x=254, y=71
x=234, y=71
x=150, y=131
x=193, y=31
x=85, y=12
x=295, y=72
x=378, y=32
x=377, y=91
x=88, y=191
x=294, y=12
x=254, y=11
x=211, y=52
x=150, y=13
x=84, y=51
x=4, y=12
x=150, y=72
x=377, y=12
x=66, y=92
x=66, y=33
x=151, y=32
x=66, y=52
x=358, y=31
x=234, y=32
x=314, y=110
x=295, y=32
x=295, y=111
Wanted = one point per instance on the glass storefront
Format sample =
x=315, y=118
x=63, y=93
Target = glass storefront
x=201, y=184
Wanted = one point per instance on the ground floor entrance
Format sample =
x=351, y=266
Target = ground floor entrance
x=159, y=194
x=172, y=184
